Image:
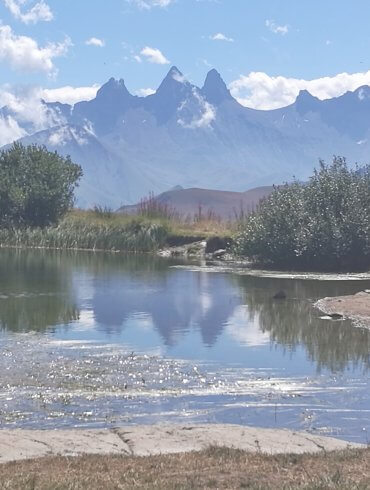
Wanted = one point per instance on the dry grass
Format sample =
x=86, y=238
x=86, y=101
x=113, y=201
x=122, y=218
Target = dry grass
x=102, y=229
x=213, y=468
x=203, y=227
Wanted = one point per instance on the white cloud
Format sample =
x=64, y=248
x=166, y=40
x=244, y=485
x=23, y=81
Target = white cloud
x=245, y=329
x=64, y=134
x=23, y=52
x=148, y=4
x=178, y=77
x=207, y=113
x=144, y=92
x=154, y=55
x=39, y=12
x=94, y=41
x=26, y=113
x=60, y=137
x=10, y=130
x=69, y=95
x=221, y=37
x=261, y=91
x=275, y=28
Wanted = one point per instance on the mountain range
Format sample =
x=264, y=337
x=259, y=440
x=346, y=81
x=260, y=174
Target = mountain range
x=129, y=146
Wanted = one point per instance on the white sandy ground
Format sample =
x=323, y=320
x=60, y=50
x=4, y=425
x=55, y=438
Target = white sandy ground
x=159, y=439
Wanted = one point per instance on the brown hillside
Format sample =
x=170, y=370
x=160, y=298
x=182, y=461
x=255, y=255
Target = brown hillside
x=223, y=204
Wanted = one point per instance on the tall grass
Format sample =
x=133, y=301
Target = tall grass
x=83, y=233
x=151, y=208
x=102, y=229
x=204, y=222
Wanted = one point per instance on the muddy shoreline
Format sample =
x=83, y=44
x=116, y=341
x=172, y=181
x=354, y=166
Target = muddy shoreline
x=355, y=307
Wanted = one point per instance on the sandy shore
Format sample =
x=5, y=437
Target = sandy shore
x=159, y=439
x=355, y=307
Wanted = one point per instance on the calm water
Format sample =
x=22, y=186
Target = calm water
x=99, y=340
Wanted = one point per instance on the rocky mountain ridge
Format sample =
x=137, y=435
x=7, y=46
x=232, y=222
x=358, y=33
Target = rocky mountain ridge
x=184, y=135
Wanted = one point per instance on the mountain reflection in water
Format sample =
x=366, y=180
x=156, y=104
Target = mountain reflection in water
x=80, y=293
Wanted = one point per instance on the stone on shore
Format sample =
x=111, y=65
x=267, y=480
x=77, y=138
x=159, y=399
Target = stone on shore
x=143, y=440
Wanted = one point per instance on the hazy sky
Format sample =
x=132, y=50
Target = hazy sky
x=266, y=50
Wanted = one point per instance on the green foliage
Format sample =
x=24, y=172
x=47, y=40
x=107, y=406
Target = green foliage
x=36, y=186
x=321, y=225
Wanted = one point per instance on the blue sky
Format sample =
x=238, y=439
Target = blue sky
x=265, y=49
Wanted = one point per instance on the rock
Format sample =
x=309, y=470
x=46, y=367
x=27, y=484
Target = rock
x=145, y=440
x=219, y=253
x=335, y=316
x=181, y=240
x=193, y=249
x=280, y=295
x=217, y=243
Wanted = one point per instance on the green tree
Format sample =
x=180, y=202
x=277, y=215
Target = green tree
x=323, y=224
x=36, y=186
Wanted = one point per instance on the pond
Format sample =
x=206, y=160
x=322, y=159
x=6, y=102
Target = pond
x=100, y=340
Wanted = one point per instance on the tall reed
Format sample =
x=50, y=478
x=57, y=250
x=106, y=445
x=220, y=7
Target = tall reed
x=133, y=236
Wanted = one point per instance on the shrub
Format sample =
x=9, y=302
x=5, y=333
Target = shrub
x=320, y=225
x=36, y=186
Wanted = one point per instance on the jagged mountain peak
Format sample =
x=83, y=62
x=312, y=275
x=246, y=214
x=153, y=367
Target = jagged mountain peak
x=306, y=102
x=197, y=137
x=172, y=92
x=113, y=88
x=363, y=92
x=305, y=95
x=174, y=80
x=214, y=88
x=111, y=102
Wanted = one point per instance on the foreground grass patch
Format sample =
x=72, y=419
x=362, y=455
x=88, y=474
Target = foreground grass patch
x=212, y=468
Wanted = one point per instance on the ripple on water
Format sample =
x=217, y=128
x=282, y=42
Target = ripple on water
x=59, y=384
x=247, y=271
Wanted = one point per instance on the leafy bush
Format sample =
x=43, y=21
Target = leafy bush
x=320, y=225
x=36, y=186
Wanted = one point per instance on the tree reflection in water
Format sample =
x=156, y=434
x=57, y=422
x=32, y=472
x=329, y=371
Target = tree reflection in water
x=334, y=345
x=35, y=291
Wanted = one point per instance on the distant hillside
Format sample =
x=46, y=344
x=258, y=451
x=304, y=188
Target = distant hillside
x=223, y=204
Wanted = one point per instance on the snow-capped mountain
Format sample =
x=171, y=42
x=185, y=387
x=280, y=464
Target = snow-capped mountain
x=184, y=135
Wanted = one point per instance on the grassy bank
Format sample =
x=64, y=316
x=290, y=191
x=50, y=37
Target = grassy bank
x=80, y=230
x=104, y=230
x=212, y=468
